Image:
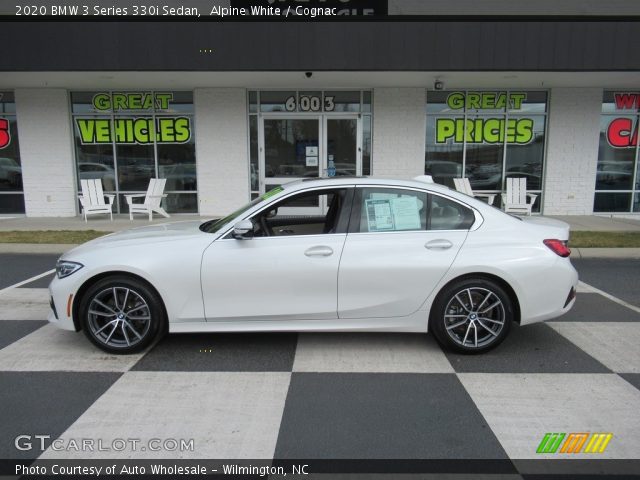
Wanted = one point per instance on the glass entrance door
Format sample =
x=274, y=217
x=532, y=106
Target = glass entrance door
x=342, y=145
x=308, y=146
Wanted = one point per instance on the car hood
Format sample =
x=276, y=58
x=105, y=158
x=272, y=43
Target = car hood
x=164, y=232
x=561, y=228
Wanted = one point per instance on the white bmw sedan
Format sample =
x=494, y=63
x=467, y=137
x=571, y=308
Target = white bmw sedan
x=347, y=254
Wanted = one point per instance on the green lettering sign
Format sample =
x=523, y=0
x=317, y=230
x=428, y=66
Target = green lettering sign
x=486, y=100
x=138, y=130
x=118, y=101
x=484, y=130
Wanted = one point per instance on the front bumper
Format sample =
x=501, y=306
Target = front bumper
x=61, y=314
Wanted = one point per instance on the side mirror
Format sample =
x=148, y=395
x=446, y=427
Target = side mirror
x=243, y=229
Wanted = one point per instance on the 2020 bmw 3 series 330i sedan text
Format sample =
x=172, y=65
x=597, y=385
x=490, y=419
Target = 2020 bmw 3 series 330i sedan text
x=341, y=254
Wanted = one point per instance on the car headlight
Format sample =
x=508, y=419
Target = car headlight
x=65, y=268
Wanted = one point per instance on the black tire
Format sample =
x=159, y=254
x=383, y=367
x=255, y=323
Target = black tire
x=118, y=327
x=460, y=320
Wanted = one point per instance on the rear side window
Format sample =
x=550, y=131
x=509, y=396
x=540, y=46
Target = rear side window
x=379, y=210
x=449, y=215
x=391, y=210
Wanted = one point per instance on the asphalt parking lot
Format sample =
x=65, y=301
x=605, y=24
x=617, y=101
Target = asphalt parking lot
x=335, y=396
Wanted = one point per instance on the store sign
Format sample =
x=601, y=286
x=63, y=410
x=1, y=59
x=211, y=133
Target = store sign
x=485, y=129
x=5, y=134
x=623, y=132
x=142, y=130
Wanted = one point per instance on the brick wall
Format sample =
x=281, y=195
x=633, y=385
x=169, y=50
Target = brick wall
x=46, y=152
x=221, y=149
x=399, y=124
x=572, y=150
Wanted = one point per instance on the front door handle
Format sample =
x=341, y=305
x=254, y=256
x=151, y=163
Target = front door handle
x=439, y=244
x=319, y=251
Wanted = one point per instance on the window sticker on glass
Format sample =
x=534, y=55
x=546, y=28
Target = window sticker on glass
x=379, y=217
x=382, y=196
x=406, y=213
x=271, y=193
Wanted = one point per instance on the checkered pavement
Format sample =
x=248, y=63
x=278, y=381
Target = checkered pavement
x=316, y=396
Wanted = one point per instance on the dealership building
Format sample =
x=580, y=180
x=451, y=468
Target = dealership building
x=225, y=111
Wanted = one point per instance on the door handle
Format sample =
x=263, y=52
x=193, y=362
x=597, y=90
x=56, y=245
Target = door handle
x=439, y=244
x=319, y=251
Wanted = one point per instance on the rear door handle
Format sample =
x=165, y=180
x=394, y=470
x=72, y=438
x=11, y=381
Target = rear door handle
x=319, y=251
x=439, y=244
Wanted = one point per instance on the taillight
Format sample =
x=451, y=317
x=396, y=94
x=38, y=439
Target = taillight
x=559, y=247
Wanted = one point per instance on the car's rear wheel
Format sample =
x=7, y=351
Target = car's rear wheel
x=121, y=314
x=472, y=315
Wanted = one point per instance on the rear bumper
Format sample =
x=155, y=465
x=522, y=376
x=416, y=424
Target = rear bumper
x=554, y=297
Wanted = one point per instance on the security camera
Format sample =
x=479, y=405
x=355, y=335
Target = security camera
x=438, y=85
x=308, y=74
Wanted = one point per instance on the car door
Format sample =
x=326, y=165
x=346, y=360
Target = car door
x=400, y=244
x=288, y=268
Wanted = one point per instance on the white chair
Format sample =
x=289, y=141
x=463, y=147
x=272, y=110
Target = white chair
x=463, y=186
x=152, y=199
x=92, y=198
x=515, y=200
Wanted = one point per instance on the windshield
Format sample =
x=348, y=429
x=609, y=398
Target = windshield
x=212, y=226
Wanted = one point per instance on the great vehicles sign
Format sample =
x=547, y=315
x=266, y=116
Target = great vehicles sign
x=133, y=128
x=486, y=128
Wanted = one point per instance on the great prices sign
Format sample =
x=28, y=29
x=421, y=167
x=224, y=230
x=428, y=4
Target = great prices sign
x=623, y=132
x=132, y=128
x=485, y=129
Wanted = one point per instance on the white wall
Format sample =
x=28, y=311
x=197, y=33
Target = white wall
x=221, y=149
x=572, y=150
x=399, y=124
x=46, y=153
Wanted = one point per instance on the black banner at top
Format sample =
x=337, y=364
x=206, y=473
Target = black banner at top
x=325, y=8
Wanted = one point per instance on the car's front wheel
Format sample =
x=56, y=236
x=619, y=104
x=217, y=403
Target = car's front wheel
x=121, y=314
x=472, y=315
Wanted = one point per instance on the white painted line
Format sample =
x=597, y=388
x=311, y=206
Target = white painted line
x=593, y=289
x=28, y=280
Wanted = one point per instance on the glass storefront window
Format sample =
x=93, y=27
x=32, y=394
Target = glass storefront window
x=278, y=101
x=126, y=138
x=342, y=101
x=527, y=160
x=487, y=136
x=11, y=190
x=617, y=182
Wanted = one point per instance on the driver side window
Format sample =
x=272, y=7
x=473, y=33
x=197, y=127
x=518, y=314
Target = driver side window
x=281, y=220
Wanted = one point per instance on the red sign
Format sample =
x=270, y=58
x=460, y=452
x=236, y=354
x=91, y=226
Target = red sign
x=623, y=132
x=5, y=136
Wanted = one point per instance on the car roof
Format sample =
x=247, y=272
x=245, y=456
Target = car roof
x=363, y=180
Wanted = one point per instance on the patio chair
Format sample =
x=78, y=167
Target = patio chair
x=152, y=200
x=515, y=200
x=93, y=198
x=463, y=186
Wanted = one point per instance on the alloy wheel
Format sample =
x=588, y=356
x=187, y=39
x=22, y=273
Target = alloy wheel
x=119, y=317
x=474, y=317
